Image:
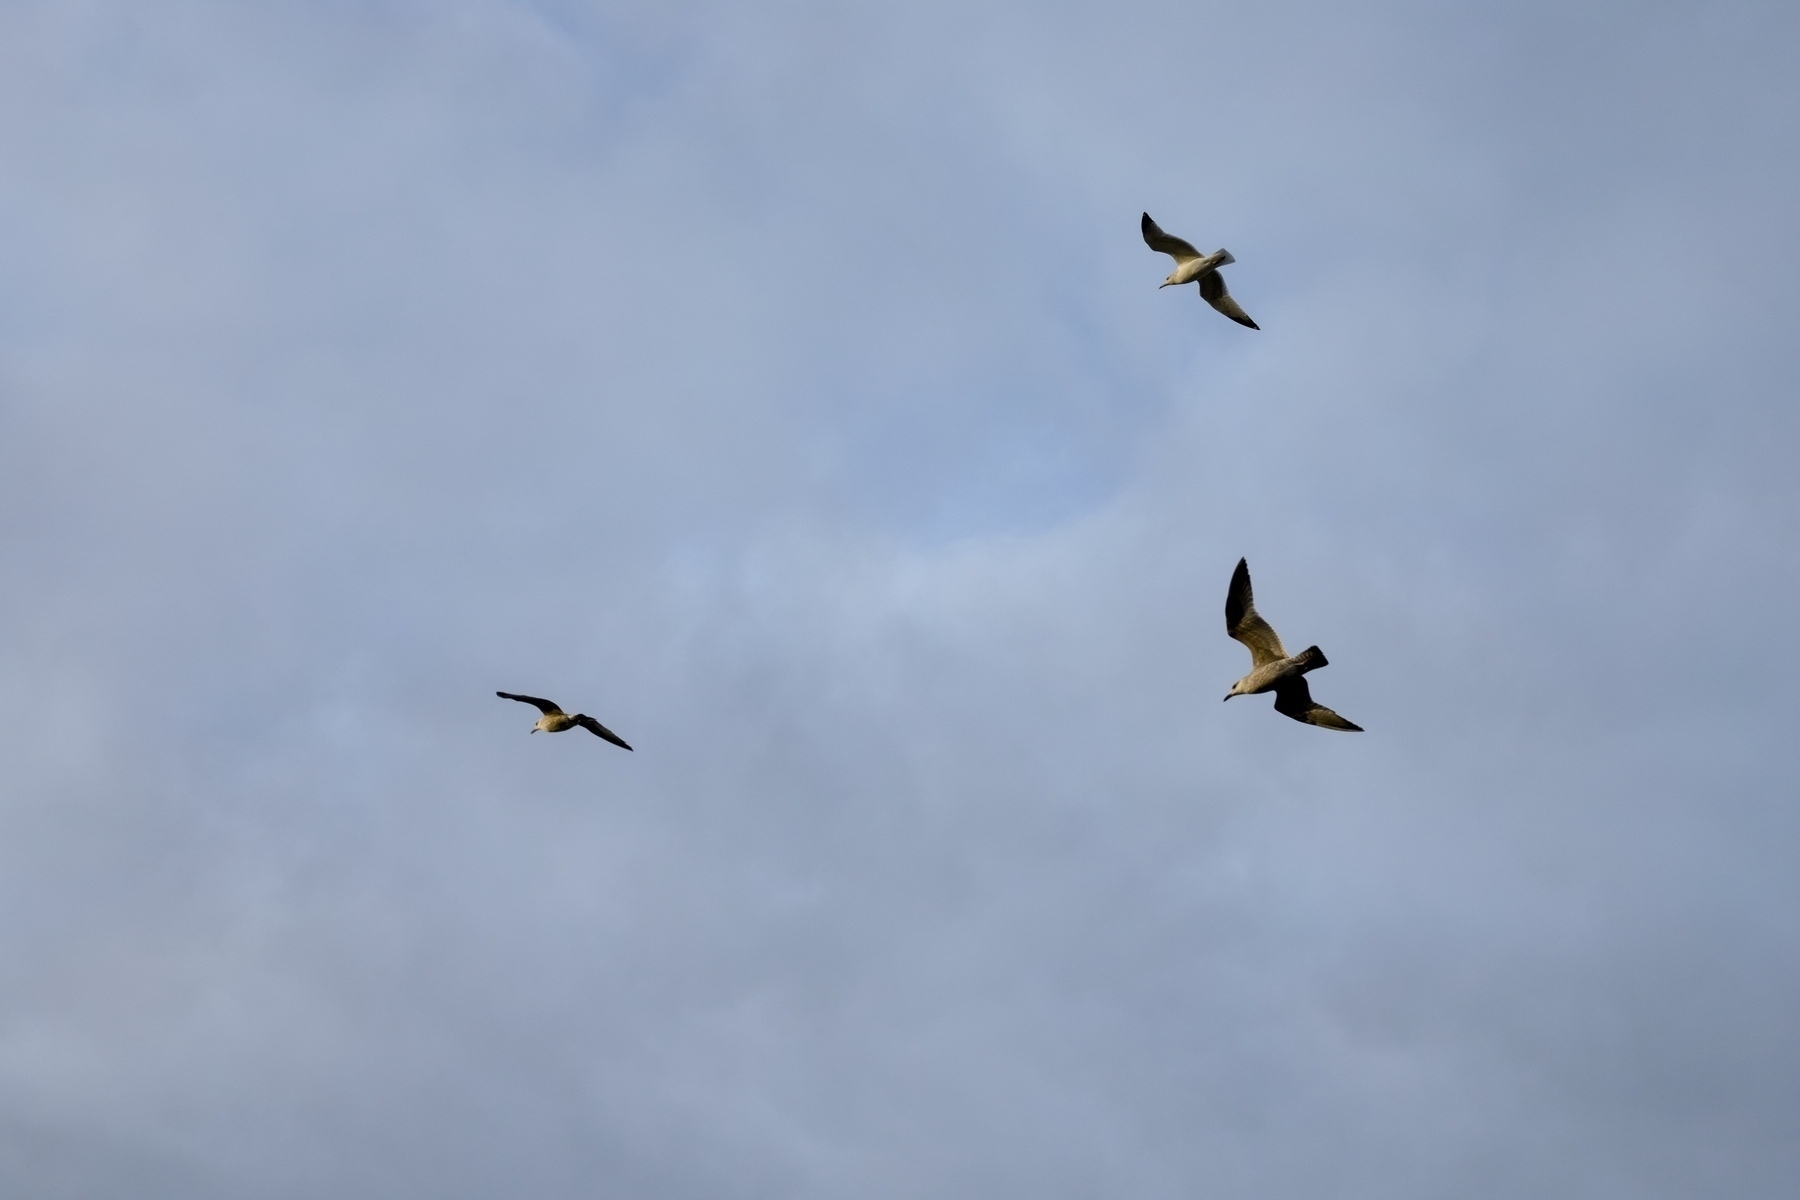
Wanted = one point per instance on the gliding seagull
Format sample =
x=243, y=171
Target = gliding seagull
x=1271, y=668
x=555, y=720
x=1190, y=265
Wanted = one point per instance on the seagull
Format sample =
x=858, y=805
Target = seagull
x=555, y=720
x=1190, y=265
x=1271, y=668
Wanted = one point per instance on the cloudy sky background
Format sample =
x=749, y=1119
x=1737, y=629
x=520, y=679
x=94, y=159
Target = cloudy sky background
x=787, y=385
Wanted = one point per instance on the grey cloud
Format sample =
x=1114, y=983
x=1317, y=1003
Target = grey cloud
x=788, y=387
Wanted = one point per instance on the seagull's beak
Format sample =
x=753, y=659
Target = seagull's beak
x=1163, y=284
x=1229, y=695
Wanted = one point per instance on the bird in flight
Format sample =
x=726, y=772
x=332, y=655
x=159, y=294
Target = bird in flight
x=1271, y=668
x=555, y=720
x=1190, y=265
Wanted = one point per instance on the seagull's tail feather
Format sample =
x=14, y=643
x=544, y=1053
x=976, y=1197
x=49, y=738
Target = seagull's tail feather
x=1225, y=259
x=1311, y=659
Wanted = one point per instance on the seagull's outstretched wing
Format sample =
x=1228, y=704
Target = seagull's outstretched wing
x=1243, y=623
x=1212, y=290
x=1294, y=699
x=598, y=730
x=544, y=706
x=1162, y=243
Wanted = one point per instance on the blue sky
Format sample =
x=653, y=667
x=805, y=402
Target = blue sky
x=788, y=386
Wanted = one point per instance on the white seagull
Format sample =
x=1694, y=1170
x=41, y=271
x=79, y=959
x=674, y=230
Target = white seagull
x=1190, y=265
x=555, y=720
x=1271, y=669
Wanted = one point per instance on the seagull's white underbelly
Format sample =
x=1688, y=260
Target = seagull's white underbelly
x=1265, y=678
x=1194, y=268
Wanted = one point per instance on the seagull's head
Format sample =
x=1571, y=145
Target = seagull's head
x=1169, y=282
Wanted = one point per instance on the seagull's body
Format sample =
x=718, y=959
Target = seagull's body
x=1273, y=669
x=555, y=720
x=1191, y=266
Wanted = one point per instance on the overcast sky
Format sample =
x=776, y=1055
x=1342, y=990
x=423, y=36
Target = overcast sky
x=787, y=385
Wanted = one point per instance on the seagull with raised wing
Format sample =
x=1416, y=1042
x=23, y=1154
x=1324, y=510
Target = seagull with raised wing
x=1191, y=265
x=1272, y=669
x=555, y=720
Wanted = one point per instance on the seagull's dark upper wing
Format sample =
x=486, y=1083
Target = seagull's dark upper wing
x=1162, y=243
x=598, y=730
x=1212, y=290
x=1243, y=623
x=1294, y=699
x=544, y=706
